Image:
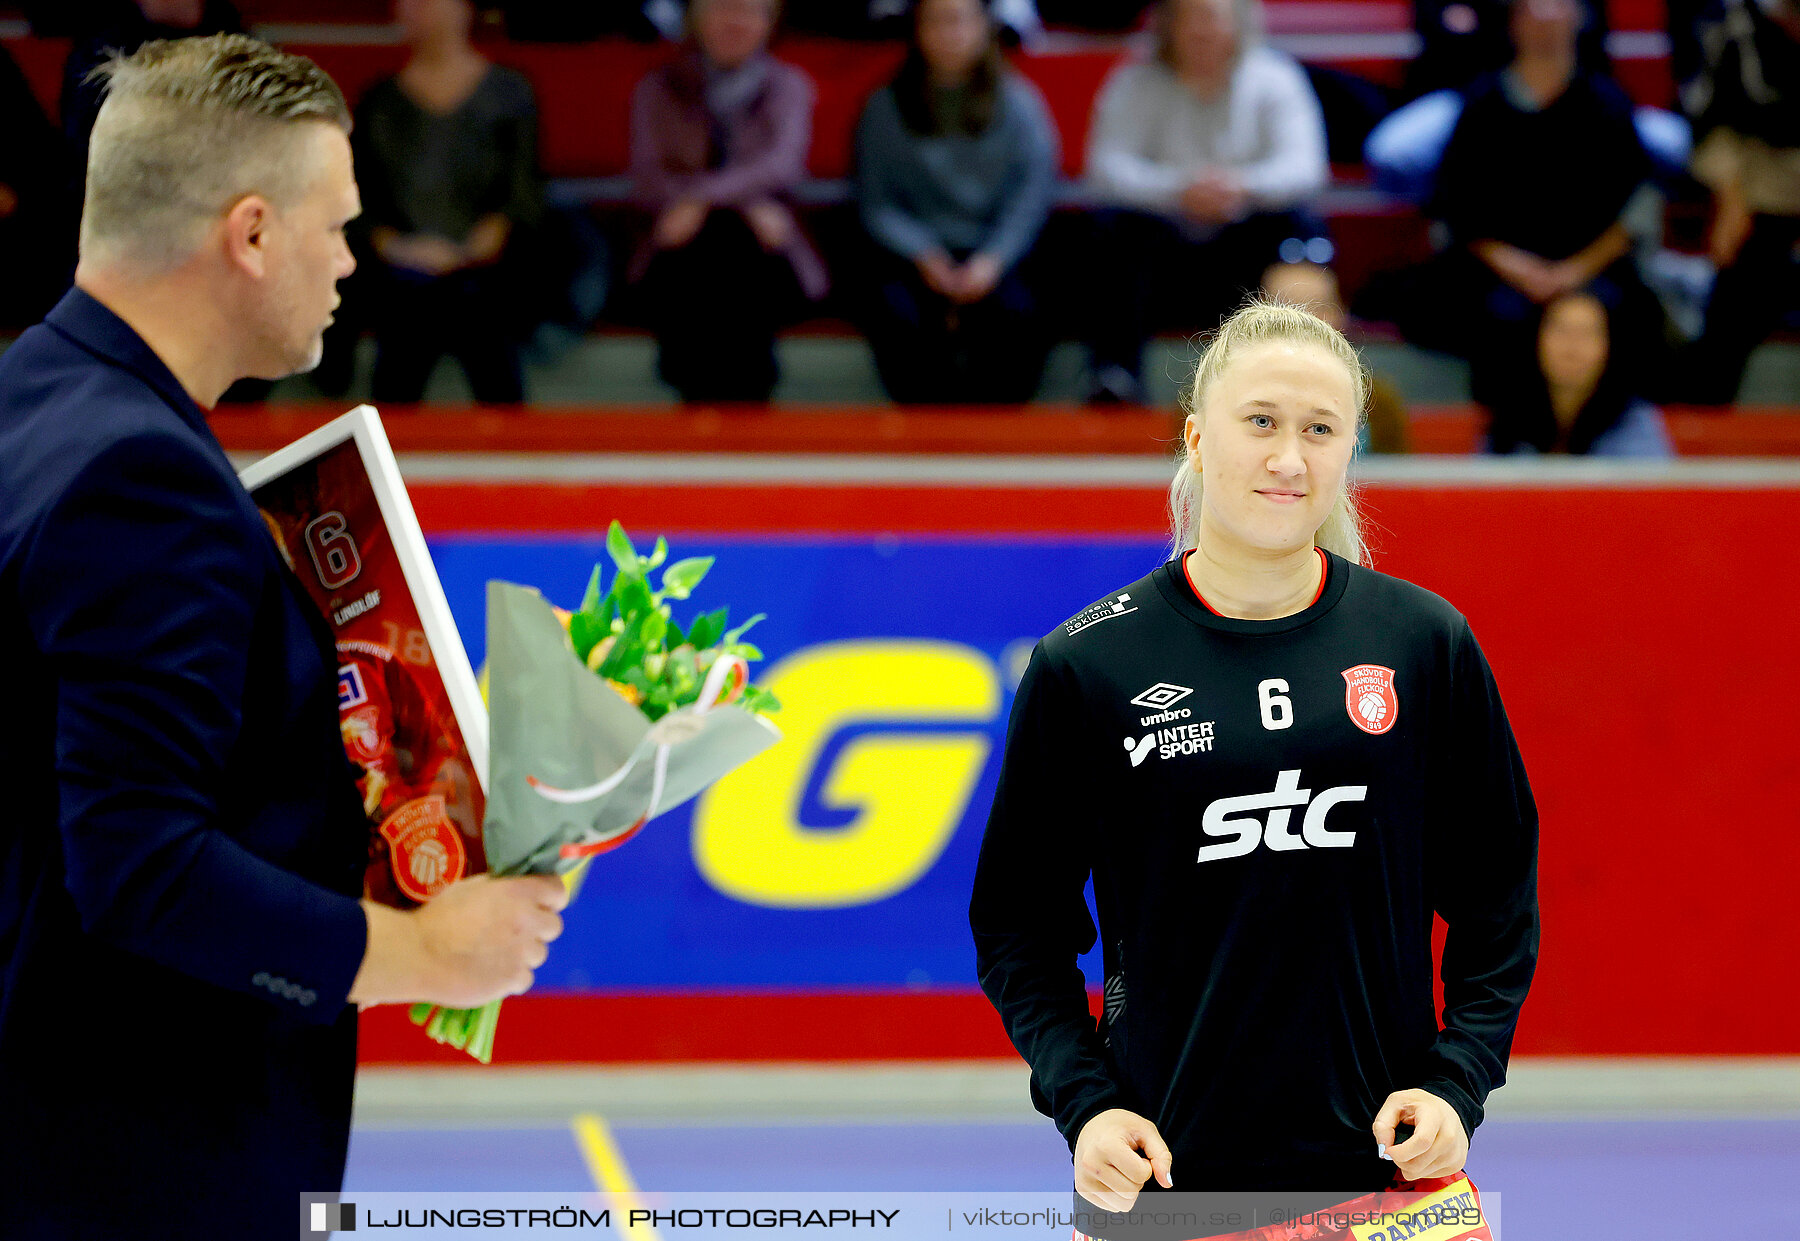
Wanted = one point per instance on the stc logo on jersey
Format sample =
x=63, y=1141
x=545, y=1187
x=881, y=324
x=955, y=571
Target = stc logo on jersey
x=1236, y=818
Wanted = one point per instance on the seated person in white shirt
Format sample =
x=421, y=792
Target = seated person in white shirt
x=1202, y=159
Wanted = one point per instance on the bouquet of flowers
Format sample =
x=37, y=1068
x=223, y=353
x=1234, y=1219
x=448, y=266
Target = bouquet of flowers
x=601, y=719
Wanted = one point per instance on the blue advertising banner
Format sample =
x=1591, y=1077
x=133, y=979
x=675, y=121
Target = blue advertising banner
x=844, y=856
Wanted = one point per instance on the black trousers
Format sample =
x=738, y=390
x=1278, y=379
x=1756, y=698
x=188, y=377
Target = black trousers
x=471, y=315
x=1146, y=274
x=715, y=305
x=1749, y=300
x=931, y=351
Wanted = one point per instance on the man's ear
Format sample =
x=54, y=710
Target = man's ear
x=246, y=226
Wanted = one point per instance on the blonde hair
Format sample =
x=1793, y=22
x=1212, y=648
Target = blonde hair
x=189, y=127
x=1255, y=323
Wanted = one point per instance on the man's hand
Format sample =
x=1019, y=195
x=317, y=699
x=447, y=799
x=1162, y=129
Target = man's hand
x=939, y=273
x=1438, y=1146
x=975, y=279
x=1567, y=275
x=486, y=242
x=420, y=252
x=1731, y=224
x=679, y=224
x=772, y=223
x=1215, y=197
x=1535, y=277
x=1115, y=1153
x=476, y=941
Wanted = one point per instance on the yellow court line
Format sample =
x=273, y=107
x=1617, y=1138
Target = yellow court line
x=607, y=1166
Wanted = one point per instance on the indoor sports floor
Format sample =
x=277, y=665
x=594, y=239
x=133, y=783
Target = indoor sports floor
x=1617, y=1152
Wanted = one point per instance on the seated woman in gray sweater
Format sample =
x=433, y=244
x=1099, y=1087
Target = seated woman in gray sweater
x=1203, y=158
x=956, y=163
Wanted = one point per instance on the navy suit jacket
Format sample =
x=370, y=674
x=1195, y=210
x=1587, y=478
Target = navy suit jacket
x=182, y=843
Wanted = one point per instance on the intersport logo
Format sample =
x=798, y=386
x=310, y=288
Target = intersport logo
x=1234, y=819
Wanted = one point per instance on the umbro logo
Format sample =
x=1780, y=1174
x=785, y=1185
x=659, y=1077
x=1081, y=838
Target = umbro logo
x=1161, y=696
x=1161, y=699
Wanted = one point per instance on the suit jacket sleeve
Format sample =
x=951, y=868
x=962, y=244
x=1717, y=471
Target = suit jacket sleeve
x=135, y=585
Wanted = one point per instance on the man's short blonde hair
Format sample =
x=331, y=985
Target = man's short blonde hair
x=188, y=128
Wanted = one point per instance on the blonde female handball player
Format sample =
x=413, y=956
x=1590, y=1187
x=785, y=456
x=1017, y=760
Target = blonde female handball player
x=1275, y=764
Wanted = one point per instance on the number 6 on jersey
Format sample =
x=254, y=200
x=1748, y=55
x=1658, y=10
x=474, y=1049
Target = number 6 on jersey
x=1277, y=711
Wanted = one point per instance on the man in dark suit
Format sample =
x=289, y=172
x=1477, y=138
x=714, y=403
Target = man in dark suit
x=182, y=947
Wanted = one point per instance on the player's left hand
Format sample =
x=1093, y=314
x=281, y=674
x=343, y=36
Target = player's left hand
x=1438, y=1146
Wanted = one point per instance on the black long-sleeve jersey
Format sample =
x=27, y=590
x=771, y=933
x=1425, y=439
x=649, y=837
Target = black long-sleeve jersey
x=1271, y=811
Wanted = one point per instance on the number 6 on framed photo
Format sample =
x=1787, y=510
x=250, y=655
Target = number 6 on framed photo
x=408, y=705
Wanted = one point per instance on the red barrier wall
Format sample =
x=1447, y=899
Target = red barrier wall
x=1642, y=638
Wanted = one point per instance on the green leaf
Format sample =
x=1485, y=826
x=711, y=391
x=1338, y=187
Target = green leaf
x=744, y=628
x=634, y=597
x=660, y=554
x=756, y=698
x=677, y=636
x=683, y=672
x=680, y=578
x=627, y=652
x=745, y=651
x=708, y=628
x=655, y=629
x=618, y=546
x=590, y=602
x=585, y=629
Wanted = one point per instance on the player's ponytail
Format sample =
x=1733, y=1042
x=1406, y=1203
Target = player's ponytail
x=1254, y=323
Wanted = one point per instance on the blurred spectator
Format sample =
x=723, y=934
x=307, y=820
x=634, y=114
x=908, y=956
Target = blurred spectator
x=1581, y=396
x=1206, y=153
x=123, y=26
x=1110, y=15
x=883, y=19
x=719, y=139
x=956, y=164
x=446, y=157
x=1461, y=41
x=1533, y=186
x=558, y=21
x=36, y=215
x=1315, y=288
x=1748, y=102
x=1464, y=44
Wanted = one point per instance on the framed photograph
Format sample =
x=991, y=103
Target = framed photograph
x=408, y=703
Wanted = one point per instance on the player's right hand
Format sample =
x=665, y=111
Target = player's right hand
x=481, y=938
x=1115, y=1153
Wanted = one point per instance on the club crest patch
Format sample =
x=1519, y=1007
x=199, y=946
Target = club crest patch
x=428, y=854
x=1369, y=698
